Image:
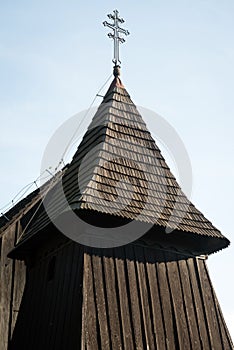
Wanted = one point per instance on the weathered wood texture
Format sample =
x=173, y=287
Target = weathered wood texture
x=130, y=297
x=19, y=278
x=7, y=265
x=12, y=281
x=119, y=168
x=50, y=312
x=139, y=298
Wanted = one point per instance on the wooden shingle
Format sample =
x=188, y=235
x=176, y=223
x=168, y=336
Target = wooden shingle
x=118, y=161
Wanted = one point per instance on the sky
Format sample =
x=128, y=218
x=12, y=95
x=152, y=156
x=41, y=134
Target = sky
x=177, y=61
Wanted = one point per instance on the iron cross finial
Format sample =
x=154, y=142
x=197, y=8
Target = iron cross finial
x=117, y=30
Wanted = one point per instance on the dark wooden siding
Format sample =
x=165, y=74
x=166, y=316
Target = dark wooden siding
x=50, y=313
x=132, y=297
x=140, y=298
x=12, y=281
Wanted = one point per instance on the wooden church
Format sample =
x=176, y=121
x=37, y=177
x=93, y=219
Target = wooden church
x=130, y=272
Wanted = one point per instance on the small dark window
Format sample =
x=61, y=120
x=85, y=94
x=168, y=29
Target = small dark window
x=51, y=269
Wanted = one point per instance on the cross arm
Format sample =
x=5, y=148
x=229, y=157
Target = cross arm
x=123, y=31
x=106, y=24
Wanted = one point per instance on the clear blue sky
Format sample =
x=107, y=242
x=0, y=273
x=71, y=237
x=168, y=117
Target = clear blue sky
x=178, y=61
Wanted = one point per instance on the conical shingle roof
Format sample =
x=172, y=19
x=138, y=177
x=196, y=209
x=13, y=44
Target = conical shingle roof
x=119, y=170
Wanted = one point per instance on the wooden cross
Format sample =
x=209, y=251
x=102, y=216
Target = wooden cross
x=117, y=30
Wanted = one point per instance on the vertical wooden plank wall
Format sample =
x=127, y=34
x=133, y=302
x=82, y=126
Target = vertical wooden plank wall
x=12, y=281
x=133, y=298
x=50, y=312
x=174, y=302
x=7, y=266
x=19, y=278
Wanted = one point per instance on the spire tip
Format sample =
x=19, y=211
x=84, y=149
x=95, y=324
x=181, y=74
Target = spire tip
x=116, y=70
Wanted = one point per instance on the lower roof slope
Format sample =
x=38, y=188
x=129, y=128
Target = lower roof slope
x=119, y=170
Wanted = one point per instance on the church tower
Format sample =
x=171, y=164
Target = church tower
x=115, y=252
